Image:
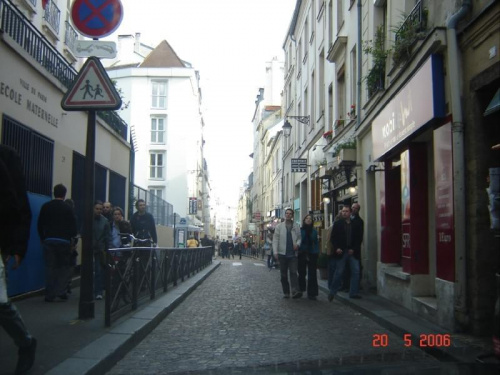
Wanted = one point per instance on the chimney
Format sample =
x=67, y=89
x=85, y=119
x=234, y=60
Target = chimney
x=137, y=43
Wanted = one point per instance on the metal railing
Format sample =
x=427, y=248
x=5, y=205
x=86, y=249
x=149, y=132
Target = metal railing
x=14, y=24
x=413, y=21
x=52, y=15
x=162, y=211
x=137, y=274
x=70, y=36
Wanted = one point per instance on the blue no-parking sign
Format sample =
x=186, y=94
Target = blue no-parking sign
x=96, y=18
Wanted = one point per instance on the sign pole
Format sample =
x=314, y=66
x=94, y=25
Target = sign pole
x=86, y=306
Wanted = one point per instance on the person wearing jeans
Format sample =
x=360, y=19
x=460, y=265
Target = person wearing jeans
x=346, y=240
x=286, y=242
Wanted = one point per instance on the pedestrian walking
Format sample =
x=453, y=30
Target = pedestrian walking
x=286, y=242
x=56, y=229
x=100, y=243
x=15, y=220
x=346, y=280
x=143, y=225
x=346, y=243
x=119, y=229
x=192, y=242
x=107, y=211
x=238, y=247
x=308, y=258
x=268, y=248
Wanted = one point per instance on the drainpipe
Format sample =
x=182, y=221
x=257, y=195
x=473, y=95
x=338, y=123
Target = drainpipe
x=359, y=58
x=460, y=297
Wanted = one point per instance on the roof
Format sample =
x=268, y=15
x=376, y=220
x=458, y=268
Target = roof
x=163, y=56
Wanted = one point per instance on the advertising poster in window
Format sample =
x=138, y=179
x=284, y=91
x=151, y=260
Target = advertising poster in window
x=405, y=203
x=443, y=175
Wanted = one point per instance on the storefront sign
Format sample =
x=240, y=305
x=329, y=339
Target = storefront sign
x=443, y=175
x=299, y=165
x=418, y=102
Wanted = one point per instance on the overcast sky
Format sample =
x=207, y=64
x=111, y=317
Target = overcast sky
x=229, y=42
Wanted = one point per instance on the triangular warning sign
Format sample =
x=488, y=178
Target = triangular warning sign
x=91, y=89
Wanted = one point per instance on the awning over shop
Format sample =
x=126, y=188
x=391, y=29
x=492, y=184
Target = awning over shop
x=494, y=104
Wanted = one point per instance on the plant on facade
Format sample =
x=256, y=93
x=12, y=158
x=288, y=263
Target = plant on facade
x=320, y=163
x=349, y=144
x=408, y=31
x=352, y=112
x=376, y=76
x=328, y=135
x=339, y=123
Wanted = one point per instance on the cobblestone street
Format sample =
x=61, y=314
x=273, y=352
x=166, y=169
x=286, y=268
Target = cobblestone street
x=237, y=318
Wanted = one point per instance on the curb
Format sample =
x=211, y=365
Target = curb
x=101, y=355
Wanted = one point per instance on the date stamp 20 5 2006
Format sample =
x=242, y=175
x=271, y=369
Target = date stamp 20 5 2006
x=426, y=340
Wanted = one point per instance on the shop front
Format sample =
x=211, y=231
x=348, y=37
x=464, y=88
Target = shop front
x=412, y=140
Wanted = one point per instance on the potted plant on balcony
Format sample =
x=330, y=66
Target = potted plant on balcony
x=376, y=75
x=328, y=135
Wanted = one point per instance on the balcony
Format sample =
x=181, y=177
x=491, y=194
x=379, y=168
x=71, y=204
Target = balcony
x=411, y=29
x=20, y=33
x=52, y=17
x=70, y=38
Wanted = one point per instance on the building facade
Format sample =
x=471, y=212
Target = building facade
x=163, y=98
x=38, y=66
x=393, y=105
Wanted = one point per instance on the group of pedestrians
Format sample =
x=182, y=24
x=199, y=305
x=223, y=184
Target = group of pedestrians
x=297, y=249
x=57, y=229
x=344, y=248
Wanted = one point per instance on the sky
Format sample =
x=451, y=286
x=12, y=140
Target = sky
x=228, y=42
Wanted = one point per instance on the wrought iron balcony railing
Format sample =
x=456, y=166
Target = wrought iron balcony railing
x=414, y=21
x=53, y=16
x=70, y=37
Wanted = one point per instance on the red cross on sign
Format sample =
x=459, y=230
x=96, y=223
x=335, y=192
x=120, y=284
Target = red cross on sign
x=96, y=18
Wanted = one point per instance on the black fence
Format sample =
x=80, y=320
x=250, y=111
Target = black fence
x=137, y=274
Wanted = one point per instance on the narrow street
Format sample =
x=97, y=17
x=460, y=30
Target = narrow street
x=236, y=321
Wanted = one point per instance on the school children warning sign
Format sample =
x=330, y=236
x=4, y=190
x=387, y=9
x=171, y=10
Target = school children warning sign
x=91, y=90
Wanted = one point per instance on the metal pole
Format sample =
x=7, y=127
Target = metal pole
x=86, y=305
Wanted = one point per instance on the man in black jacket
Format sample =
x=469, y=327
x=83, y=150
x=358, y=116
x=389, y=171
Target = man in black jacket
x=143, y=225
x=346, y=244
x=56, y=228
x=15, y=220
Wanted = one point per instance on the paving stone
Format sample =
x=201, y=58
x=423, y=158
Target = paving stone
x=237, y=318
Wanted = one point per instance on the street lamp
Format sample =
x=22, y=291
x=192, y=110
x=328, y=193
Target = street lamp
x=287, y=127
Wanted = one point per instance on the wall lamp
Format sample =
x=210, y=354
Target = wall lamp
x=373, y=168
x=287, y=127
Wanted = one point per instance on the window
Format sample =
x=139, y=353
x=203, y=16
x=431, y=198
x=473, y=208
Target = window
x=158, y=130
x=340, y=14
x=354, y=79
x=341, y=87
x=36, y=153
x=159, y=95
x=156, y=165
x=158, y=192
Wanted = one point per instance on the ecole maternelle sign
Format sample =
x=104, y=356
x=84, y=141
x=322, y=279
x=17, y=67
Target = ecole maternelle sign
x=418, y=102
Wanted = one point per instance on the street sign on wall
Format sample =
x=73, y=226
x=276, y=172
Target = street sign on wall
x=97, y=48
x=299, y=165
x=193, y=206
x=96, y=18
